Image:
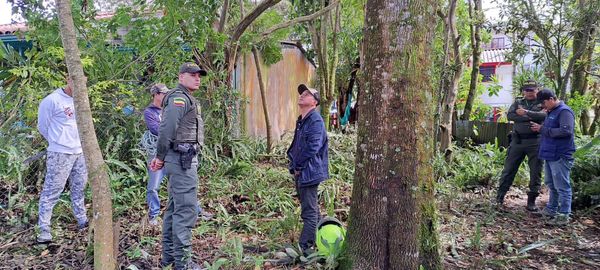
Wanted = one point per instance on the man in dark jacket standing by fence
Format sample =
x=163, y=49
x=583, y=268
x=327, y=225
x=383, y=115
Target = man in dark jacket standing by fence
x=556, y=148
x=524, y=142
x=309, y=162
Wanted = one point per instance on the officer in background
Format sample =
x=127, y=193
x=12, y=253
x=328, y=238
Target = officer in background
x=524, y=142
x=181, y=135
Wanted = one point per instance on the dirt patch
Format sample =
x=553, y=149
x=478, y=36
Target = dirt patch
x=477, y=236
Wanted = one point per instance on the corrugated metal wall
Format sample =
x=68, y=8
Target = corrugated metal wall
x=281, y=80
x=486, y=132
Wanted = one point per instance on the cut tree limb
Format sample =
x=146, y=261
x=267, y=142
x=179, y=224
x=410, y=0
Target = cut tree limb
x=299, y=20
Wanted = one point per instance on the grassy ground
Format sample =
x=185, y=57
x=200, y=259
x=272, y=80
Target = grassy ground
x=257, y=215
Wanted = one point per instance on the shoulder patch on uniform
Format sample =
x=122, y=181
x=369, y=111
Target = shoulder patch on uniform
x=179, y=101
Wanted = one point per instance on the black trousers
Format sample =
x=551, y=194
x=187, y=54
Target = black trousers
x=514, y=157
x=309, y=205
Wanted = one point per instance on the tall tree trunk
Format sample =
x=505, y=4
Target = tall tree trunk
x=394, y=179
x=101, y=195
x=582, y=67
x=327, y=63
x=452, y=75
x=476, y=18
x=232, y=107
x=263, y=97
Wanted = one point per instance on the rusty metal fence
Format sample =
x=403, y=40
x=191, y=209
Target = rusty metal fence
x=482, y=132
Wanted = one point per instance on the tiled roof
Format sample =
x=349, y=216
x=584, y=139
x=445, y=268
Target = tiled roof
x=10, y=28
x=494, y=56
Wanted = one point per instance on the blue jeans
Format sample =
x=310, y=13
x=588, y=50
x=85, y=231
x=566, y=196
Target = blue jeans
x=309, y=207
x=559, y=184
x=155, y=178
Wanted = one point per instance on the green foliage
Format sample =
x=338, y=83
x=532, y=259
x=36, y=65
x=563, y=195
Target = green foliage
x=476, y=166
x=523, y=74
x=585, y=173
x=554, y=24
x=472, y=166
x=475, y=242
x=480, y=110
x=579, y=103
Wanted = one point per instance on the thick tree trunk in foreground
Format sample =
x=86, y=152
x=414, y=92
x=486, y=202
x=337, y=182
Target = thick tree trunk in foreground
x=394, y=179
x=263, y=97
x=476, y=16
x=101, y=195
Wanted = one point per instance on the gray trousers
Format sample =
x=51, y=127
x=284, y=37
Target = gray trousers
x=514, y=157
x=59, y=168
x=180, y=216
x=309, y=206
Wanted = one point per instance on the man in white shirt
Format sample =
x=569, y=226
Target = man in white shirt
x=65, y=160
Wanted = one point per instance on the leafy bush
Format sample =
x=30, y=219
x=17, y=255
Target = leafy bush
x=586, y=172
x=478, y=165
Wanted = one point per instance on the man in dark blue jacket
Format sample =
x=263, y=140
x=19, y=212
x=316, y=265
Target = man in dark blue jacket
x=556, y=148
x=309, y=161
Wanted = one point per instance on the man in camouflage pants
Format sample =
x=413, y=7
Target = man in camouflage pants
x=65, y=160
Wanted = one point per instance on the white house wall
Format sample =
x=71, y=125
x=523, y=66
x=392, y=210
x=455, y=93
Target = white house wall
x=504, y=97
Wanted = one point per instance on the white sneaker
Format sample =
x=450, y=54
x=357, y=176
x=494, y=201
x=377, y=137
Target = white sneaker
x=44, y=237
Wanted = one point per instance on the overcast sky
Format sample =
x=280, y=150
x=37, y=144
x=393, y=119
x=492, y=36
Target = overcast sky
x=5, y=11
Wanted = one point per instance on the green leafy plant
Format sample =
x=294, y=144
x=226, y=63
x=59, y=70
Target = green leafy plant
x=585, y=173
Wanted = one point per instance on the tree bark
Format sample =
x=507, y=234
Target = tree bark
x=223, y=16
x=232, y=46
x=101, y=194
x=476, y=16
x=263, y=97
x=582, y=68
x=452, y=73
x=595, y=122
x=298, y=20
x=327, y=61
x=394, y=179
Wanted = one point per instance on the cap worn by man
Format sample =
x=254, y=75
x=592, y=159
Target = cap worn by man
x=313, y=92
x=159, y=88
x=545, y=94
x=529, y=84
x=191, y=68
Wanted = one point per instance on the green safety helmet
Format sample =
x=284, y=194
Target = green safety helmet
x=329, y=231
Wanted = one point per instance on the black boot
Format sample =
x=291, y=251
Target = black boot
x=499, y=203
x=500, y=197
x=531, y=196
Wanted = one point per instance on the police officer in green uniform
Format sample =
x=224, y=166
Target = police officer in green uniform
x=523, y=142
x=181, y=134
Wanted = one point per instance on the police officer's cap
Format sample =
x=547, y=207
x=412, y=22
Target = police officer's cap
x=529, y=84
x=191, y=68
x=313, y=92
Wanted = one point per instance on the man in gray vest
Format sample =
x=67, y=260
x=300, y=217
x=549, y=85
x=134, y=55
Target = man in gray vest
x=181, y=135
x=524, y=142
